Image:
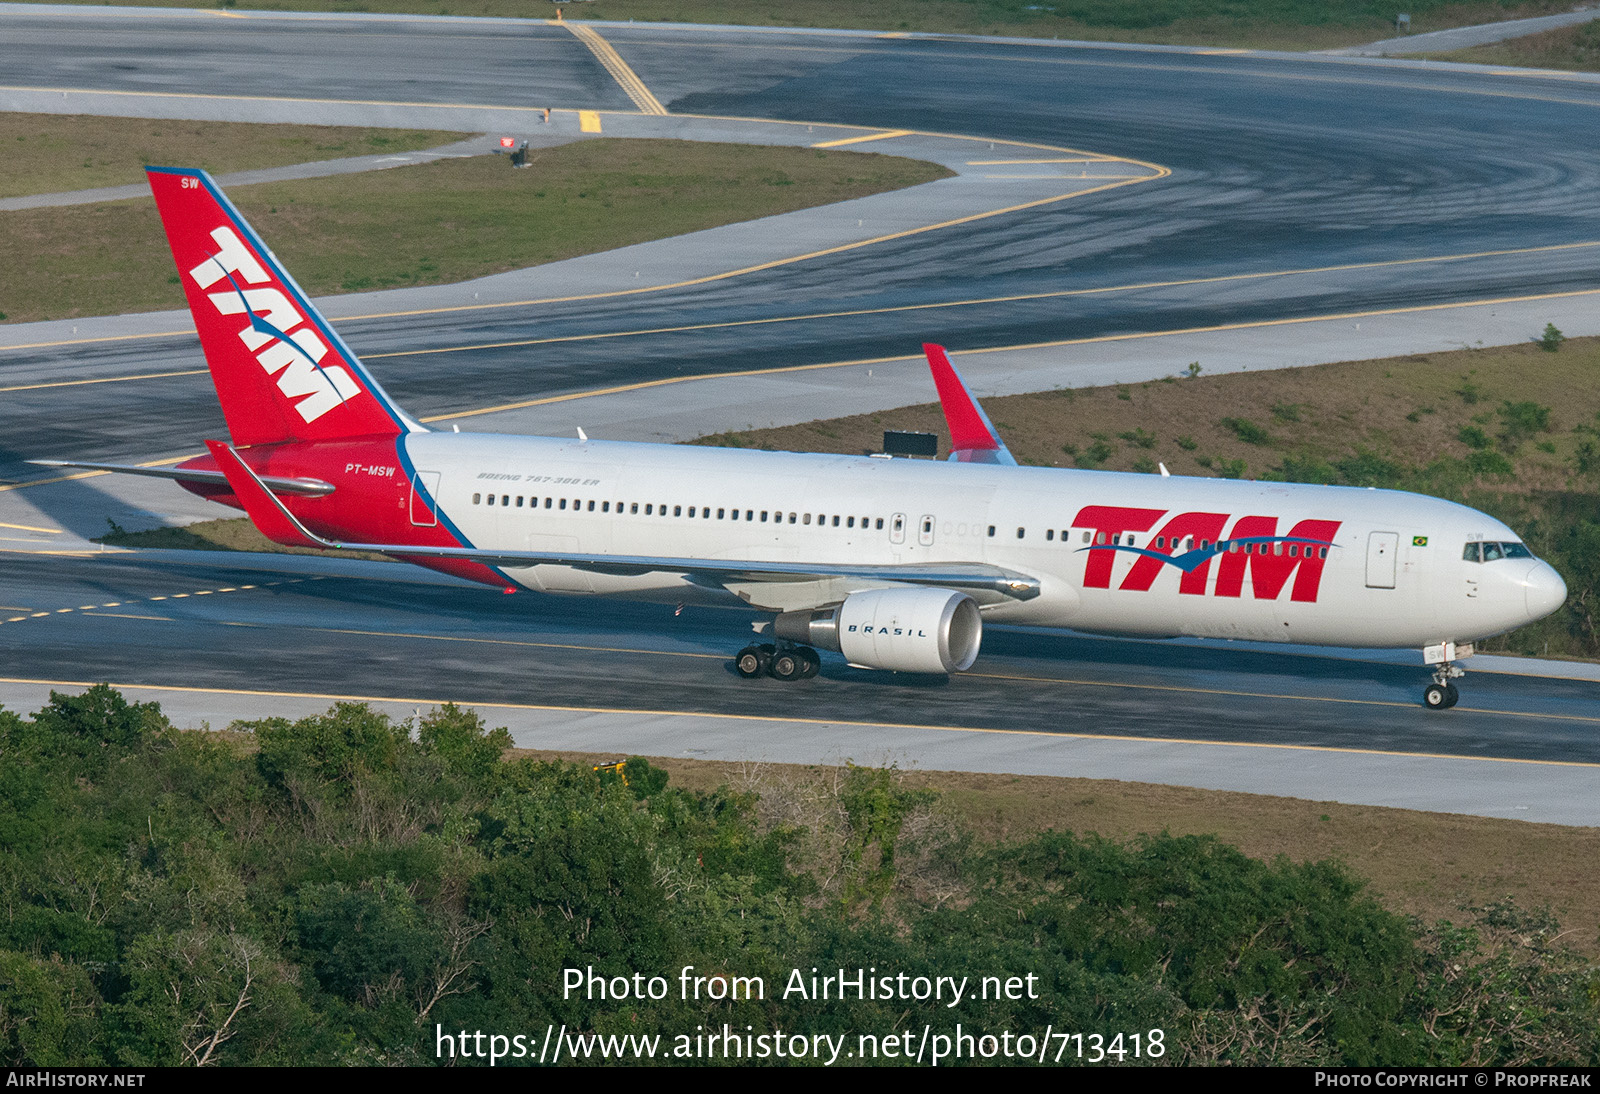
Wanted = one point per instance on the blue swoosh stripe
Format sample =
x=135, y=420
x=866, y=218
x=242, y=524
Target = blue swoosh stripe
x=1190, y=561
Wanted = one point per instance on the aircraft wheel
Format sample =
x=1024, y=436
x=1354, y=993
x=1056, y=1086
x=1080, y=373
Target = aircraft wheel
x=1451, y=695
x=787, y=665
x=813, y=663
x=1437, y=696
x=751, y=662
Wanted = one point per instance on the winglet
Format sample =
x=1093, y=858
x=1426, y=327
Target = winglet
x=266, y=512
x=973, y=438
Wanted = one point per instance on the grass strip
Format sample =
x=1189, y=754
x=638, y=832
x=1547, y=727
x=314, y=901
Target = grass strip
x=436, y=223
x=54, y=153
x=1570, y=49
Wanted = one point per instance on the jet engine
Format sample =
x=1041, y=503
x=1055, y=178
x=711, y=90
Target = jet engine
x=902, y=630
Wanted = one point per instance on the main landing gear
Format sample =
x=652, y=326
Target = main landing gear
x=779, y=662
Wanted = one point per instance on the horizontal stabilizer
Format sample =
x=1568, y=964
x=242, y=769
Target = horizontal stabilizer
x=973, y=438
x=276, y=483
x=275, y=522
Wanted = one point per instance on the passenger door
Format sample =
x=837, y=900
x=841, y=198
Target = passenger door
x=1382, y=550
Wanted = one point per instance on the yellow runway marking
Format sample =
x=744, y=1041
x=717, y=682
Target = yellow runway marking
x=613, y=63
x=98, y=609
x=1067, y=178
x=1074, y=159
x=123, y=615
x=652, y=713
x=31, y=528
x=862, y=140
x=107, y=379
x=588, y=121
x=974, y=301
x=1156, y=172
x=647, y=384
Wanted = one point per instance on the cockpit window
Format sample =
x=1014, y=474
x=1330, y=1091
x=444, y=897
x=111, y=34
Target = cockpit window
x=1494, y=552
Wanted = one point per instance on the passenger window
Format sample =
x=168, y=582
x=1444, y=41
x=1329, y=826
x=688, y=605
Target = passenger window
x=991, y=531
x=807, y=520
x=1049, y=535
x=1086, y=537
x=563, y=503
x=691, y=510
x=677, y=510
x=649, y=509
x=1322, y=552
x=791, y=518
x=850, y=522
x=491, y=499
x=763, y=516
x=547, y=502
x=1021, y=532
x=633, y=508
x=836, y=521
x=705, y=512
x=719, y=514
x=750, y=514
x=605, y=507
x=591, y=507
x=476, y=499
x=879, y=526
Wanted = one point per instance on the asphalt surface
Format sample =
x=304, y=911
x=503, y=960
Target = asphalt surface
x=384, y=629
x=1278, y=164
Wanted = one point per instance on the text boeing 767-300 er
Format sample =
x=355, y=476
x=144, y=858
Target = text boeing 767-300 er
x=895, y=563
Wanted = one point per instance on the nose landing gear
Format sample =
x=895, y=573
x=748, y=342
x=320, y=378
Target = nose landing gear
x=1442, y=694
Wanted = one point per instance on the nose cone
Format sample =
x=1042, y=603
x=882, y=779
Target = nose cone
x=1544, y=589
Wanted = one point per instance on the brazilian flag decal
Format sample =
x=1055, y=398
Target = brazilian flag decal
x=1419, y=541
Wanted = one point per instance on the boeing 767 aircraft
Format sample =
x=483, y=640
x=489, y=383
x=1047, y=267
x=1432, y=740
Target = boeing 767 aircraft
x=895, y=563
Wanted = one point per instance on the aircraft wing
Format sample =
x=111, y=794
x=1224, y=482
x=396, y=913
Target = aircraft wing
x=281, y=526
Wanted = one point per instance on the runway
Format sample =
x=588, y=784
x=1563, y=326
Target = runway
x=1300, y=188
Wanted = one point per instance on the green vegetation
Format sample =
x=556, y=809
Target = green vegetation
x=50, y=153
x=226, y=534
x=1517, y=435
x=1277, y=24
x=1550, y=341
x=1574, y=49
x=437, y=223
x=335, y=890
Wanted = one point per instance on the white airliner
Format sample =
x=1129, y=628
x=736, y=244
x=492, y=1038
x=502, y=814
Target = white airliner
x=895, y=563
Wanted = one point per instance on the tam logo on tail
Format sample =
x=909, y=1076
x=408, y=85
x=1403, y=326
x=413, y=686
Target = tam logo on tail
x=294, y=357
x=281, y=372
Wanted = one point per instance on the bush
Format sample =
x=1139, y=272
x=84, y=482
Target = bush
x=1551, y=339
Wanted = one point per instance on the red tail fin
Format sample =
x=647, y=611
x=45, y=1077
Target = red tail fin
x=281, y=372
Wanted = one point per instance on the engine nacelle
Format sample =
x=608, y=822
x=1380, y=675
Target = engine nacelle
x=902, y=630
